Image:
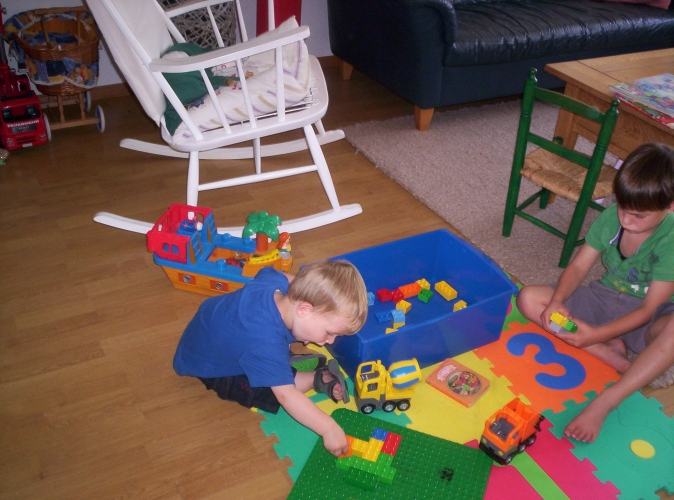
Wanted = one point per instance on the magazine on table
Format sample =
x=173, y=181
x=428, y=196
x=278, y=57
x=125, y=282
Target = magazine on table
x=662, y=118
x=653, y=95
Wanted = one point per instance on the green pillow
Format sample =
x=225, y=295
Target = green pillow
x=188, y=86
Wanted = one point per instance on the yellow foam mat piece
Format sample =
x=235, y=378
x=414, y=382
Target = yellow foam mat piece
x=435, y=413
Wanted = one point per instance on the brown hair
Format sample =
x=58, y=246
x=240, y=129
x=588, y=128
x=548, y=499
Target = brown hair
x=645, y=181
x=332, y=286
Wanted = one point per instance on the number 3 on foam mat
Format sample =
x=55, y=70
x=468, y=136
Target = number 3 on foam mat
x=547, y=355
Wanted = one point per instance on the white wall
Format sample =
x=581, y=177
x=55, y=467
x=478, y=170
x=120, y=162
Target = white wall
x=314, y=15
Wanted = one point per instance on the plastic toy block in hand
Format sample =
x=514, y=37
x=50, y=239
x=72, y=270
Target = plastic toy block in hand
x=559, y=322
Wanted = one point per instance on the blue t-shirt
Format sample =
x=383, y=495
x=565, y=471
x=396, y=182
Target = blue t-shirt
x=239, y=333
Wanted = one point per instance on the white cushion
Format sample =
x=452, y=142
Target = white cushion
x=261, y=82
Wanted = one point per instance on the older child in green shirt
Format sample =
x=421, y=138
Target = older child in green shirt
x=631, y=306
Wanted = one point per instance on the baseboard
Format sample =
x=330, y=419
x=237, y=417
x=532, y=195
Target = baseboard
x=110, y=91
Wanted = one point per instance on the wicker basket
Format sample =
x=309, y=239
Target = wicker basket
x=75, y=21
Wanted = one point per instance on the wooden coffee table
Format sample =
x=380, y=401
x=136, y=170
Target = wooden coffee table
x=588, y=81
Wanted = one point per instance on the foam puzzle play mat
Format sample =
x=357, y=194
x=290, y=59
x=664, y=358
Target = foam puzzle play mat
x=442, y=445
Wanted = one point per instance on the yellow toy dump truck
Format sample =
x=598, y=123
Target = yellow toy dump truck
x=509, y=431
x=377, y=388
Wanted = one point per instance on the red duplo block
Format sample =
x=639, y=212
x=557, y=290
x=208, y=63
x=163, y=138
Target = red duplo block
x=391, y=444
x=384, y=294
x=397, y=296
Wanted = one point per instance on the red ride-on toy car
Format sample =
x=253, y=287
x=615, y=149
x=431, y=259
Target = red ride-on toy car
x=22, y=123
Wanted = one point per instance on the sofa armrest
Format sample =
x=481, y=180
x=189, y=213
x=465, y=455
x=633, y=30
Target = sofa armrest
x=399, y=43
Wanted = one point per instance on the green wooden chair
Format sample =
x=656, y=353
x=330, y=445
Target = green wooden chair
x=558, y=169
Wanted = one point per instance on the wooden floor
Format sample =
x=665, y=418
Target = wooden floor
x=90, y=407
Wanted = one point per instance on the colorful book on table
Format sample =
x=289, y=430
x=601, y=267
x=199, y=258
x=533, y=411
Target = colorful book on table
x=662, y=118
x=654, y=92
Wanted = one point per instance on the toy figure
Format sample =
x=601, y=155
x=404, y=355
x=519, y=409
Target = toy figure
x=283, y=246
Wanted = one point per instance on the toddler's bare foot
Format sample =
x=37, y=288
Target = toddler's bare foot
x=586, y=426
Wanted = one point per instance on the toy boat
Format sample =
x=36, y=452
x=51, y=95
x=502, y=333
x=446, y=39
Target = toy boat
x=187, y=246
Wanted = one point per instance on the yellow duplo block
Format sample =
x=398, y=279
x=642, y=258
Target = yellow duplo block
x=359, y=448
x=398, y=325
x=404, y=306
x=390, y=330
x=374, y=447
x=424, y=284
x=445, y=290
x=461, y=304
x=558, y=318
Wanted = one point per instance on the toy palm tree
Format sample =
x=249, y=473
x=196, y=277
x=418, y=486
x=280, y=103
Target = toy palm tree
x=263, y=226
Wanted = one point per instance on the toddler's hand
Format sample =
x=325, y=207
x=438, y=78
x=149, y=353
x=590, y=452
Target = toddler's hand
x=335, y=441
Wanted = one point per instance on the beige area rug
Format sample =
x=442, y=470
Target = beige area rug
x=460, y=169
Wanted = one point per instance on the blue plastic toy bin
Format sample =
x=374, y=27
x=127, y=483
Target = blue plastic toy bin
x=432, y=331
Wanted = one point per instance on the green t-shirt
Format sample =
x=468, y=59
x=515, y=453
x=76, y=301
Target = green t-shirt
x=654, y=260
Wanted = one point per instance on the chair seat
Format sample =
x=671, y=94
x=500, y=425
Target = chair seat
x=563, y=177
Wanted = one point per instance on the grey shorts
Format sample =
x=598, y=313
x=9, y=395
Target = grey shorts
x=598, y=304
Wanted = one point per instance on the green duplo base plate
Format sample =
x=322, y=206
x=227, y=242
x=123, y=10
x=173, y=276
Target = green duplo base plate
x=426, y=467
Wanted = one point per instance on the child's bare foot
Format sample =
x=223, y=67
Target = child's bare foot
x=586, y=426
x=613, y=353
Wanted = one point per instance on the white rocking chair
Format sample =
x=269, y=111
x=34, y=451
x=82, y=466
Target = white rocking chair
x=138, y=32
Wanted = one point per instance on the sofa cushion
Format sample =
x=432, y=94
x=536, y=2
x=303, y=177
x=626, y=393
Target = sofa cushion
x=500, y=32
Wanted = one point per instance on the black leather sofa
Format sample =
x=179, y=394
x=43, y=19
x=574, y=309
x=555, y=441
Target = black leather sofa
x=437, y=53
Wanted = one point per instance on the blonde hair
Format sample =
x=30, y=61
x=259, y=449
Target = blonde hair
x=332, y=286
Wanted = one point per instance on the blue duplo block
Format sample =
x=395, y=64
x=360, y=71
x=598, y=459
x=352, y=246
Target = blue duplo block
x=383, y=316
x=433, y=331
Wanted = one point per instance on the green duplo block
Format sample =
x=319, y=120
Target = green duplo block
x=425, y=295
x=385, y=459
x=345, y=463
x=571, y=327
x=362, y=479
x=387, y=476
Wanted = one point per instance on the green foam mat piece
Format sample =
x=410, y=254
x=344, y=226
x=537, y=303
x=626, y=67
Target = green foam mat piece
x=637, y=419
x=295, y=440
x=427, y=467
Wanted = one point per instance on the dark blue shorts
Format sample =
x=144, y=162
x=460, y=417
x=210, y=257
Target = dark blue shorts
x=237, y=388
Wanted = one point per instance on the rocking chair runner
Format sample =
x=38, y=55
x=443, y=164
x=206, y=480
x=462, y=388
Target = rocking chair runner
x=557, y=168
x=139, y=32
